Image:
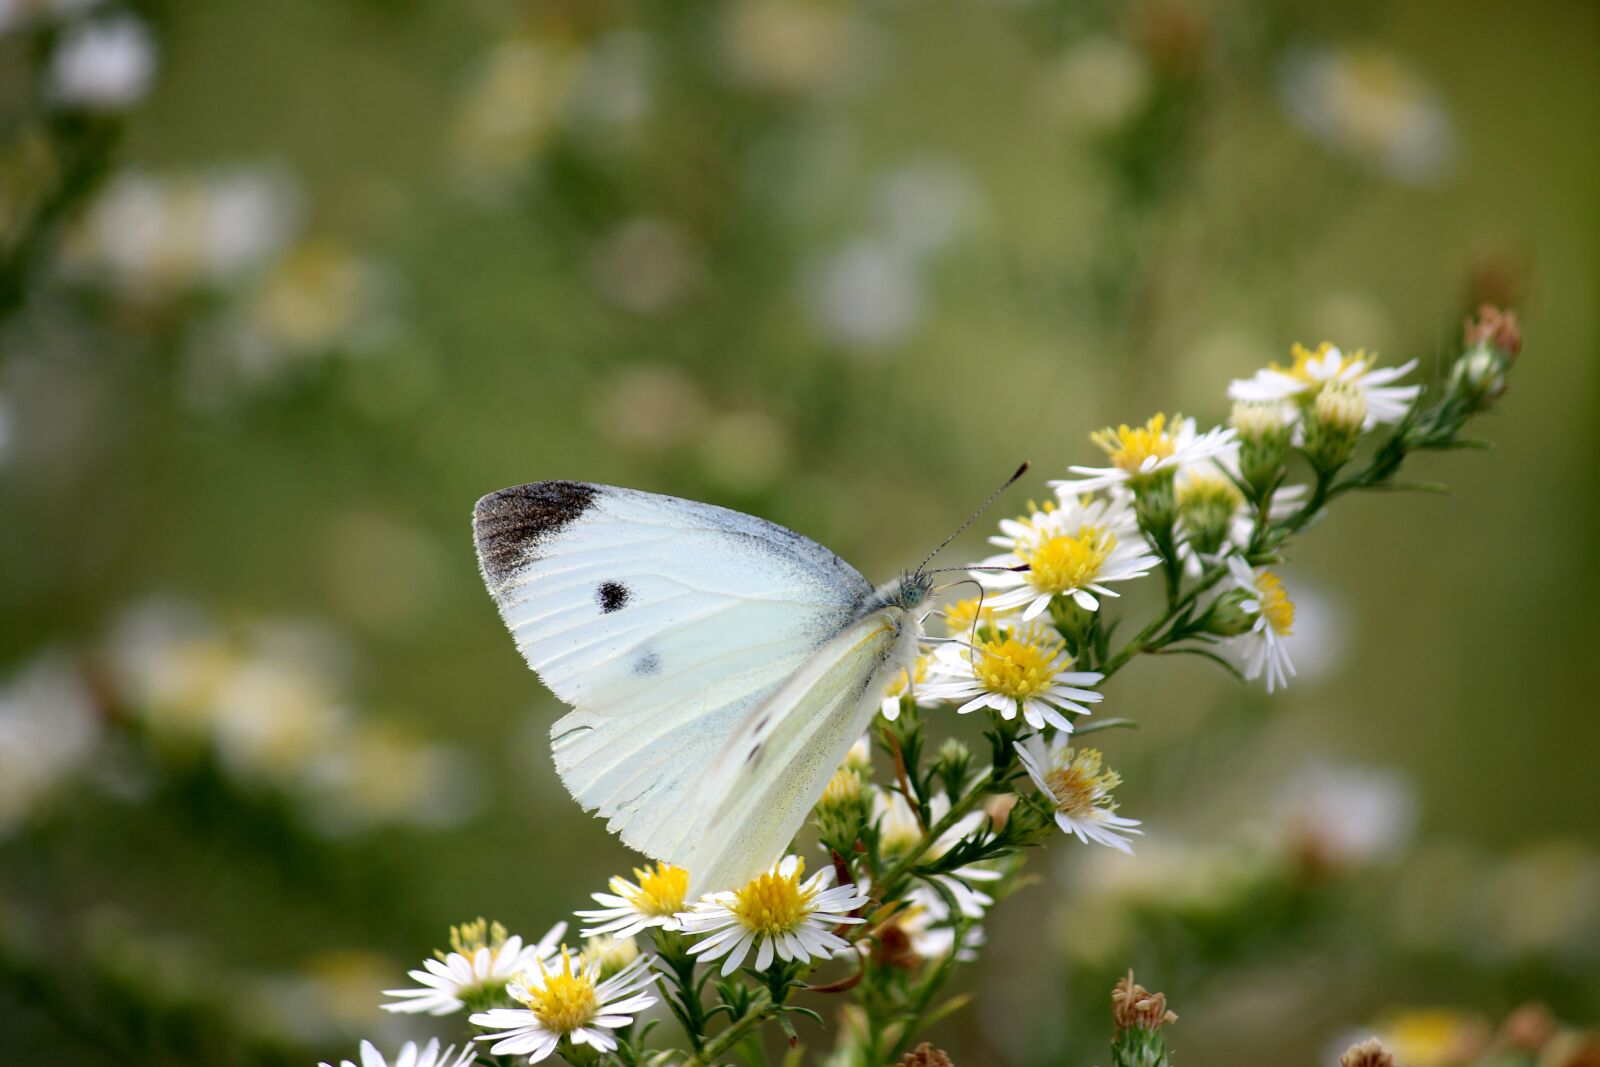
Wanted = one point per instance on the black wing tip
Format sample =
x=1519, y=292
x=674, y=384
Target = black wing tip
x=509, y=524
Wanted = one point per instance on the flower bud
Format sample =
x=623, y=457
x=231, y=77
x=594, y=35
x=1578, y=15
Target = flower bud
x=1227, y=617
x=1479, y=377
x=841, y=812
x=1207, y=504
x=612, y=953
x=1369, y=1053
x=1138, y=1016
x=1495, y=329
x=953, y=766
x=1334, y=424
x=1264, y=429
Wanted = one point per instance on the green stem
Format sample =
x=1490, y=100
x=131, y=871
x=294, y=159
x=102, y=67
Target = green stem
x=761, y=1008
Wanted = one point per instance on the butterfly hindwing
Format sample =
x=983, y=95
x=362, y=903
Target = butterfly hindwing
x=664, y=623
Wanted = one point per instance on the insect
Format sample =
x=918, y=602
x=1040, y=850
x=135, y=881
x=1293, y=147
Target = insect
x=719, y=666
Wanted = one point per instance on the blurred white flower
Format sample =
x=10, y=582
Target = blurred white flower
x=150, y=235
x=429, y=1055
x=927, y=921
x=1369, y=105
x=796, y=46
x=48, y=727
x=865, y=296
x=102, y=65
x=481, y=961
x=1099, y=83
x=1347, y=816
x=926, y=205
x=275, y=717
x=899, y=831
x=518, y=96
x=168, y=664
x=645, y=265
x=616, y=86
x=376, y=773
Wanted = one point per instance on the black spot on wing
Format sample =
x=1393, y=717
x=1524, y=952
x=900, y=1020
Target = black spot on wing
x=510, y=525
x=647, y=664
x=611, y=596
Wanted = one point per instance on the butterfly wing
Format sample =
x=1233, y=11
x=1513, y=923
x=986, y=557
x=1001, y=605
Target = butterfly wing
x=664, y=623
x=754, y=797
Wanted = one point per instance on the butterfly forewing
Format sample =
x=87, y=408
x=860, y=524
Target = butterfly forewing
x=665, y=623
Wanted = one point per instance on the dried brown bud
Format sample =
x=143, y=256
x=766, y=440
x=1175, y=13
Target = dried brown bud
x=925, y=1055
x=1370, y=1053
x=1528, y=1029
x=891, y=946
x=1135, y=1007
x=1495, y=328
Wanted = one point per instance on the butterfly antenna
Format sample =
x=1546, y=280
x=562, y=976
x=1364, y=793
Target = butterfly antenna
x=1009, y=482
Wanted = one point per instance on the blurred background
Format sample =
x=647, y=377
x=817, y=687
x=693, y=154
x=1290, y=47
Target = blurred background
x=285, y=287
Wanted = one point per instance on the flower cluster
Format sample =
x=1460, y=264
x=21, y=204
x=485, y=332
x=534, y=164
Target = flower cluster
x=913, y=847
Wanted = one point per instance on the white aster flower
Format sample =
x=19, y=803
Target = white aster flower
x=1018, y=669
x=908, y=683
x=633, y=907
x=429, y=1055
x=927, y=921
x=1301, y=382
x=566, y=1003
x=481, y=961
x=1264, y=647
x=899, y=831
x=776, y=914
x=1138, y=453
x=1070, y=551
x=1080, y=788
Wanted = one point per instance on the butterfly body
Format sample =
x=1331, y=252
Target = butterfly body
x=718, y=665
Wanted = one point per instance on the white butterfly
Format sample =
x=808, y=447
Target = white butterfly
x=719, y=666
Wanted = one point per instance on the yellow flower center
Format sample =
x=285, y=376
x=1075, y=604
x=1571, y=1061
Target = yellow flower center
x=1276, y=607
x=960, y=616
x=1020, y=663
x=1076, y=780
x=773, y=903
x=1129, y=446
x=567, y=999
x=468, y=938
x=661, y=889
x=1303, y=357
x=1426, y=1038
x=1067, y=561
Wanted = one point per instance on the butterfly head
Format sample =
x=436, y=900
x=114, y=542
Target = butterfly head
x=911, y=591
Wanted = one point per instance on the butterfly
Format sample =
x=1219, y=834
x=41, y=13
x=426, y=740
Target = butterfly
x=719, y=666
